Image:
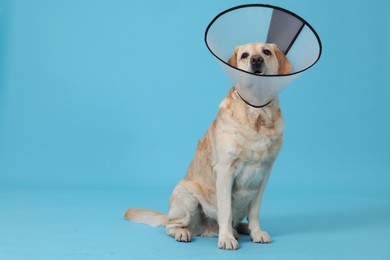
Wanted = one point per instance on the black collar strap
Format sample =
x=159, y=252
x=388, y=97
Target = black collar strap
x=254, y=105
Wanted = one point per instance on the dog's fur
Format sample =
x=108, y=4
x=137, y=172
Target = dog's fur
x=227, y=177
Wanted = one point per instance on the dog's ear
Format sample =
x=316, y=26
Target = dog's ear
x=285, y=66
x=233, y=59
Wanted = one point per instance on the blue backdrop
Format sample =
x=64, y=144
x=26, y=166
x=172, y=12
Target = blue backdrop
x=116, y=94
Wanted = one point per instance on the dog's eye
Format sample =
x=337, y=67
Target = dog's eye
x=267, y=52
x=244, y=55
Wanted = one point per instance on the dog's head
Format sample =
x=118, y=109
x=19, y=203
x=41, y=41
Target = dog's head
x=261, y=59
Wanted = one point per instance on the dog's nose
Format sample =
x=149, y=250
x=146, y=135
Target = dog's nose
x=257, y=60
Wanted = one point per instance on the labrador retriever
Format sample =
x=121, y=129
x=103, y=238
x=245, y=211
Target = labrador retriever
x=225, y=181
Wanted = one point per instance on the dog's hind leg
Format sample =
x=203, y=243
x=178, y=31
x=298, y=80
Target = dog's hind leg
x=184, y=217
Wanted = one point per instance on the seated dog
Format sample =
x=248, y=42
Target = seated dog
x=226, y=179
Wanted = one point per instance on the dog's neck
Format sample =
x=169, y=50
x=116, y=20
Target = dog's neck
x=255, y=117
x=266, y=104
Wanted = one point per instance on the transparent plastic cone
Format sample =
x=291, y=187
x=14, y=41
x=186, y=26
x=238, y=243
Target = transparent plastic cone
x=262, y=23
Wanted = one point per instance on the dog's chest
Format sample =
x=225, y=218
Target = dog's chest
x=253, y=151
x=253, y=161
x=248, y=177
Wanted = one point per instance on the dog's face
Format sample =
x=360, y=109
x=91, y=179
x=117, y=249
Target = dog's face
x=260, y=59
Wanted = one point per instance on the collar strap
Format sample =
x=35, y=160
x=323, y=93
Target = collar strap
x=254, y=105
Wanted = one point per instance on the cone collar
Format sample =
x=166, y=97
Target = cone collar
x=262, y=23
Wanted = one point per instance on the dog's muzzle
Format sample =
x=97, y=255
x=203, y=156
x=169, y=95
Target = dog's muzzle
x=257, y=64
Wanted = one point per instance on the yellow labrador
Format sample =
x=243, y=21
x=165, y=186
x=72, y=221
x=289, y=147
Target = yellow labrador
x=226, y=179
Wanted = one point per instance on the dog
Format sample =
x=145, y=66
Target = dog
x=226, y=179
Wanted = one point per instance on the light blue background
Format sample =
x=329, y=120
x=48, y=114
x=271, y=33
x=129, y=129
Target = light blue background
x=102, y=104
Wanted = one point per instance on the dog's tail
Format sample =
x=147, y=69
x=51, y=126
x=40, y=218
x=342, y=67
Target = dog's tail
x=145, y=216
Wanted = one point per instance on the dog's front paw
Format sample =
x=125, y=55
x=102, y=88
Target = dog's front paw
x=227, y=242
x=260, y=236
